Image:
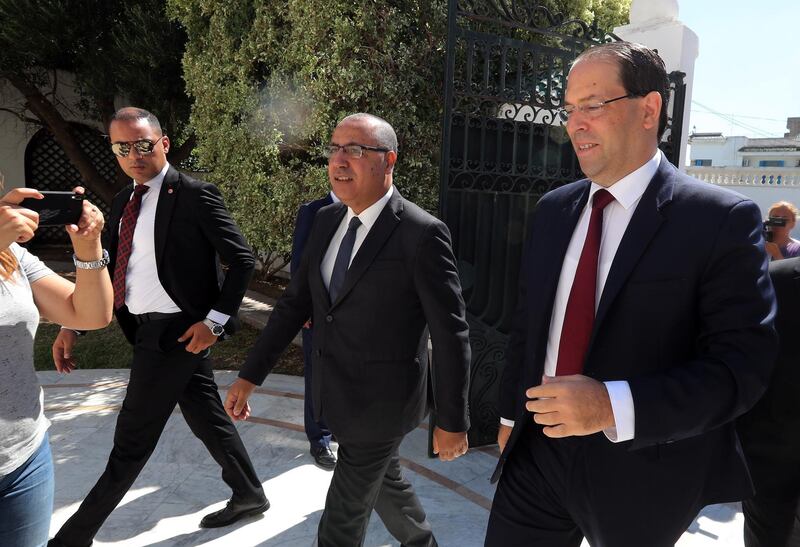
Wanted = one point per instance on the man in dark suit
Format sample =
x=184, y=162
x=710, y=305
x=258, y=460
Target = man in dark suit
x=770, y=432
x=643, y=328
x=166, y=235
x=377, y=275
x=319, y=436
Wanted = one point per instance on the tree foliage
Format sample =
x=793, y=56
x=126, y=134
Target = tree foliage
x=270, y=78
x=114, y=48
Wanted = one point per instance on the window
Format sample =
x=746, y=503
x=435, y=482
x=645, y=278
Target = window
x=745, y=163
x=702, y=163
x=770, y=163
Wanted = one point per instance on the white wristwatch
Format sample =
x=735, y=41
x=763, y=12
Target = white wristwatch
x=215, y=328
x=92, y=264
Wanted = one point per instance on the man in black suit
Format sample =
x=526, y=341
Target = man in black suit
x=377, y=275
x=643, y=329
x=166, y=235
x=770, y=432
x=319, y=436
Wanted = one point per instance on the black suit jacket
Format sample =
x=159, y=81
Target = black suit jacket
x=193, y=231
x=370, y=359
x=686, y=317
x=302, y=228
x=771, y=430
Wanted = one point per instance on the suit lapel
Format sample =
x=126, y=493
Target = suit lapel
x=556, y=246
x=327, y=225
x=644, y=224
x=543, y=281
x=796, y=278
x=117, y=207
x=166, y=203
x=384, y=226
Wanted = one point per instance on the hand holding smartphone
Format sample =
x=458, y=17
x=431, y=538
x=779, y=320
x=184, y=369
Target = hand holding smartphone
x=56, y=208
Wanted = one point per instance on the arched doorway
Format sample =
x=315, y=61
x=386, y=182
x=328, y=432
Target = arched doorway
x=48, y=168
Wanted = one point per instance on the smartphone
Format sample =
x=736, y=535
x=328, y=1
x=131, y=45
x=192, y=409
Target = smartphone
x=56, y=208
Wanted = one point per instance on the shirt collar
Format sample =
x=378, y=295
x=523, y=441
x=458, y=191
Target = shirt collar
x=369, y=215
x=155, y=182
x=629, y=189
x=334, y=198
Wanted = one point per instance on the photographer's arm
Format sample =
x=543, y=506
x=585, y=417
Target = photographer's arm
x=86, y=304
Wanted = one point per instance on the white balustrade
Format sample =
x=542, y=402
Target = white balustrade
x=747, y=176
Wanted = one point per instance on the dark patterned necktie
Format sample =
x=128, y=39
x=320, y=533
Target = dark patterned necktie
x=343, y=259
x=579, y=315
x=126, y=228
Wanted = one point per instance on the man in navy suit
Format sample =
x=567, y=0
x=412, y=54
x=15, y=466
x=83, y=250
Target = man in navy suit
x=770, y=432
x=644, y=327
x=319, y=436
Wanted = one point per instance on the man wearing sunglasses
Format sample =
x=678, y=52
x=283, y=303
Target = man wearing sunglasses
x=377, y=275
x=644, y=327
x=166, y=236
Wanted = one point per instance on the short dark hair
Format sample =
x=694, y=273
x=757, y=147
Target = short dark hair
x=132, y=113
x=382, y=130
x=641, y=71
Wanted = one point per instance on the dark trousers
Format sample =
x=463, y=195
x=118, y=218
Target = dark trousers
x=771, y=522
x=163, y=374
x=552, y=493
x=319, y=436
x=368, y=476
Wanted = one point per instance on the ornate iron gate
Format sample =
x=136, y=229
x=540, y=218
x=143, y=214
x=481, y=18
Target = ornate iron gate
x=503, y=148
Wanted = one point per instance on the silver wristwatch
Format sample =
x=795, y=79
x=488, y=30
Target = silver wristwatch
x=215, y=328
x=91, y=265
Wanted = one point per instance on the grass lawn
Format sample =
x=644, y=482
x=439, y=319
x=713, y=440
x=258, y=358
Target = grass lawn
x=108, y=348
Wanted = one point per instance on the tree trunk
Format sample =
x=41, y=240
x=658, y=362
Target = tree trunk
x=49, y=115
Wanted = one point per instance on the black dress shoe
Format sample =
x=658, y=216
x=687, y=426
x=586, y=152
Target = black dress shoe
x=55, y=542
x=233, y=512
x=324, y=457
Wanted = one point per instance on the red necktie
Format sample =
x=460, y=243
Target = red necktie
x=579, y=315
x=126, y=228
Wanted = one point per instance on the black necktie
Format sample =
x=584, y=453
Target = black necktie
x=343, y=259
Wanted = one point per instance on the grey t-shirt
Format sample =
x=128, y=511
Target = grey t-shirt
x=22, y=421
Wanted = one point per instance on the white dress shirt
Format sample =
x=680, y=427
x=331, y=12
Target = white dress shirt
x=367, y=217
x=627, y=193
x=144, y=292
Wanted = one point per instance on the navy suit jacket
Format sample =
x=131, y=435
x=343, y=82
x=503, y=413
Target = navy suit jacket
x=302, y=228
x=771, y=430
x=686, y=317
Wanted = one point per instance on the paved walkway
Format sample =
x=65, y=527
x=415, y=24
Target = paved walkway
x=181, y=483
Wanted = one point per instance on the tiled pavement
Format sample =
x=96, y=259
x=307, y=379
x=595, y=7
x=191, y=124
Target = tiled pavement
x=181, y=483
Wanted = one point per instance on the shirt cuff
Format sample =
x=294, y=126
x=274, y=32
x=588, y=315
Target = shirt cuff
x=218, y=317
x=619, y=392
x=507, y=422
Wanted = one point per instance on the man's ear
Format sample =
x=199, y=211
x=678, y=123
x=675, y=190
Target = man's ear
x=165, y=141
x=391, y=159
x=652, y=110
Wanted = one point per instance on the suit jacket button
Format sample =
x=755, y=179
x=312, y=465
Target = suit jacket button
x=329, y=319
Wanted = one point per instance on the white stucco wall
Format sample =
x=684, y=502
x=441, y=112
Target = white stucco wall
x=722, y=151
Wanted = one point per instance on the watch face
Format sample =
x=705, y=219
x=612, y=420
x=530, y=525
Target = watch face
x=217, y=330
